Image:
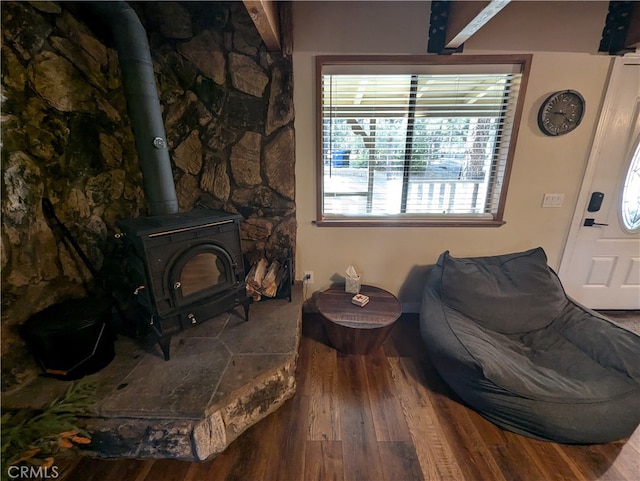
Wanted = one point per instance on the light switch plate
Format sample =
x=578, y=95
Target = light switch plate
x=553, y=200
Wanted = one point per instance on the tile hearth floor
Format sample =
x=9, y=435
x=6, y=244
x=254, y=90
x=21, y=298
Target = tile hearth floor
x=224, y=375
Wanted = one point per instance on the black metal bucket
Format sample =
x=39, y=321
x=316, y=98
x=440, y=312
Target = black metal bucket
x=73, y=338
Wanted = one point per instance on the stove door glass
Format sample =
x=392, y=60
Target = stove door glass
x=199, y=273
x=202, y=272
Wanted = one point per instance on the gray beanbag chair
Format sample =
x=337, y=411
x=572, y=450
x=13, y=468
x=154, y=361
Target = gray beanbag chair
x=505, y=337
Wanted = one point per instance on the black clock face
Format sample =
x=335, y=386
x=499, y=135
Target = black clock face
x=561, y=112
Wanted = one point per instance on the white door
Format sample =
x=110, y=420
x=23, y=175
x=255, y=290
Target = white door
x=600, y=266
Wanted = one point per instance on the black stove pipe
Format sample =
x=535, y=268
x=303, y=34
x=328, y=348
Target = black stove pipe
x=142, y=100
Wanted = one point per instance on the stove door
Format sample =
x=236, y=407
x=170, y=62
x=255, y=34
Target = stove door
x=200, y=272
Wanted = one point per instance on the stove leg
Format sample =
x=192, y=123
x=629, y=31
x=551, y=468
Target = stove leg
x=164, y=343
x=246, y=304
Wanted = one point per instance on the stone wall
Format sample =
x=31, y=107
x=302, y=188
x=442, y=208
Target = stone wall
x=228, y=111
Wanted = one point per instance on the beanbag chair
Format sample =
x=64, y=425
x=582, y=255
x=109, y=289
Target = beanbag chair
x=506, y=338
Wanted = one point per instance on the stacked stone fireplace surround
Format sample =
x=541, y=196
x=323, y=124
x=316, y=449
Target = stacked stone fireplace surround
x=228, y=114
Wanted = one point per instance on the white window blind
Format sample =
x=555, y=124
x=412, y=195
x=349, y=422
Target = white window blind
x=416, y=141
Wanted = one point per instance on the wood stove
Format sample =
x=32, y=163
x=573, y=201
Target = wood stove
x=185, y=268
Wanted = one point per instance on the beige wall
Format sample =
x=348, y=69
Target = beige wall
x=394, y=258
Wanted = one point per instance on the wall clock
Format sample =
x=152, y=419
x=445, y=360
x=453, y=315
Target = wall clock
x=561, y=112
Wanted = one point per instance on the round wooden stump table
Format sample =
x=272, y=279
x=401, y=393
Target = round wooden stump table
x=353, y=329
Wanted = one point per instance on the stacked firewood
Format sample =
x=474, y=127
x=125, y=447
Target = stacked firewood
x=264, y=278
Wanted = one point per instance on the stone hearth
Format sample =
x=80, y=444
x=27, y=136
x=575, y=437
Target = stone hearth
x=228, y=112
x=224, y=376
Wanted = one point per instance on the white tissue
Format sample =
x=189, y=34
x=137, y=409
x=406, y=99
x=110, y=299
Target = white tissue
x=352, y=284
x=351, y=273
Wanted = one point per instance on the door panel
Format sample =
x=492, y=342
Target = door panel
x=600, y=266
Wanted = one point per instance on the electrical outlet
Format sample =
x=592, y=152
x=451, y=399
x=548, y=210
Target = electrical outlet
x=307, y=278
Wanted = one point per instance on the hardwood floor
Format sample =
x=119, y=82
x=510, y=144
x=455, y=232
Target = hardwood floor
x=386, y=416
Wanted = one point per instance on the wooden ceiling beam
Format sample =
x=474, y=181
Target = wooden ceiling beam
x=467, y=17
x=266, y=18
x=621, y=32
x=633, y=34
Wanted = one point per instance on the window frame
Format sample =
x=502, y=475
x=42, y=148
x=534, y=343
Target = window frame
x=452, y=220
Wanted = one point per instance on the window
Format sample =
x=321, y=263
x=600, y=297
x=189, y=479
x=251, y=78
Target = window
x=631, y=194
x=416, y=140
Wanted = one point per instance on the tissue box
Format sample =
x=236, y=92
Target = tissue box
x=352, y=285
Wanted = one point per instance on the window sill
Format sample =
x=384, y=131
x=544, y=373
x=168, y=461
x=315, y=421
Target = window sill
x=409, y=223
